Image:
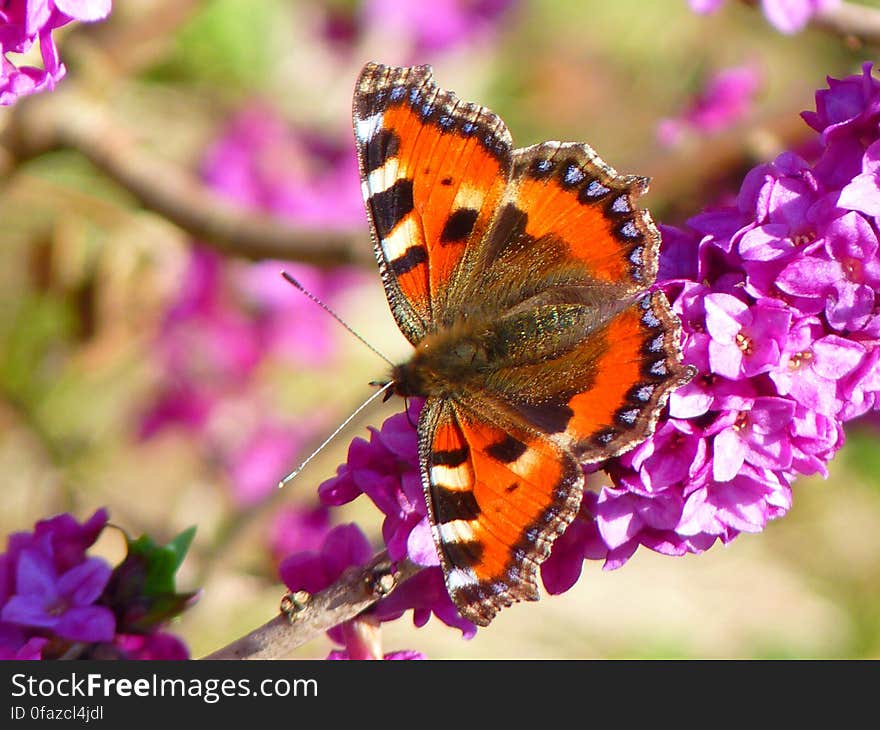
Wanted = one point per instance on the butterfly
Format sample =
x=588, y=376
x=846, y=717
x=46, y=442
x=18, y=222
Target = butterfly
x=523, y=279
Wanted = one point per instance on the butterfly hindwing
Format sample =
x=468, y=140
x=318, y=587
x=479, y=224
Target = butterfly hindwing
x=433, y=170
x=498, y=495
x=608, y=391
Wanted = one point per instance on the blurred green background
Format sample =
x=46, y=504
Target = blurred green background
x=86, y=274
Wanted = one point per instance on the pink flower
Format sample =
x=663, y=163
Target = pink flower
x=313, y=571
x=265, y=456
x=861, y=193
x=754, y=431
x=724, y=101
x=436, y=27
x=841, y=272
x=264, y=163
x=404, y=655
x=386, y=470
x=60, y=603
x=787, y=16
x=25, y=22
x=53, y=595
x=744, y=340
x=158, y=646
x=298, y=528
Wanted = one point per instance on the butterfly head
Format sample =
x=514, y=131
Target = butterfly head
x=411, y=380
x=442, y=363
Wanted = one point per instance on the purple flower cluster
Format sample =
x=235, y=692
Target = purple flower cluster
x=777, y=300
x=724, y=101
x=777, y=296
x=54, y=596
x=229, y=318
x=787, y=16
x=24, y=23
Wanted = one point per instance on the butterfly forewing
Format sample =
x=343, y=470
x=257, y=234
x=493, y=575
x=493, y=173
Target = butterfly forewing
x=433, y=170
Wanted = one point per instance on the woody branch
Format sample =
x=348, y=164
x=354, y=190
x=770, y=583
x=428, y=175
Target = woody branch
x=70, y=119
x=310, y=615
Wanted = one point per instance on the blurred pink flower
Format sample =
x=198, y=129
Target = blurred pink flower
x=402, y=655
x=791, y=16
x=231, y=316
x=263, y=162
x=787, y=16
x=437, y=26
x=265, y=455
x=298, y=528
x=724, y=101
x=158, y=646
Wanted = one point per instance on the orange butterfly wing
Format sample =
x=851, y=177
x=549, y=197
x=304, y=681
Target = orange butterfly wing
x=433, y=169
x=498, y=497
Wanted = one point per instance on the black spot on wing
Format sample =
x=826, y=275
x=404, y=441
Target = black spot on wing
x=450, y=457
x=549, y=417
x=391, y=206
x=380, y=149
x=509, y=228
x=463, y=554
x=459, y=226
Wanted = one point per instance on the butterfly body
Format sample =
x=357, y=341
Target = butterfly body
x=480, y=352
x=523, y=278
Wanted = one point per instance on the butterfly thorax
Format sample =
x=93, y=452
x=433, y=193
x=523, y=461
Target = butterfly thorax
x=481, y=352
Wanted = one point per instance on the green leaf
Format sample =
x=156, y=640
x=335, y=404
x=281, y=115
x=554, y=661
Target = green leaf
x=160, y=561
x=141, y=590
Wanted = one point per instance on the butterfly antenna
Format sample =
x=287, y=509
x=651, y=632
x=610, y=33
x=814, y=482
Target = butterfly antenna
x=333, y=435
x=297, y=285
